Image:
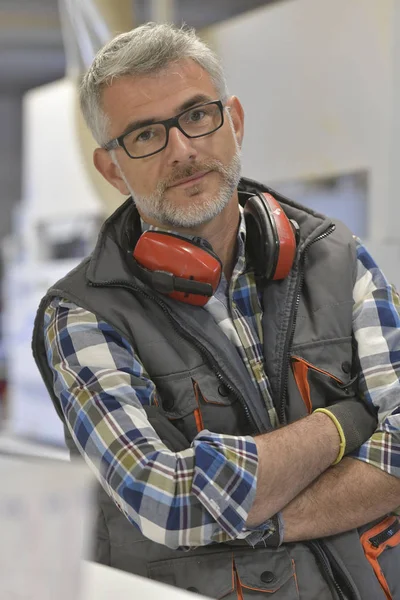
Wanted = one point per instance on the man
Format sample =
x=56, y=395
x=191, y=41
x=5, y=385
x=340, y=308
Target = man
x=218, y=426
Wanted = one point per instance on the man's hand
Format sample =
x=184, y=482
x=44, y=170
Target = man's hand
x=346, y=496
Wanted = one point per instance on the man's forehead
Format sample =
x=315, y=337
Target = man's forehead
x=163, y=89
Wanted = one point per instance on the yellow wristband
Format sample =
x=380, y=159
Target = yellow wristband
x=342, y=446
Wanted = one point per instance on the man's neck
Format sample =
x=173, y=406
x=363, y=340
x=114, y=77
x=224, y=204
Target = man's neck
x=221, y=233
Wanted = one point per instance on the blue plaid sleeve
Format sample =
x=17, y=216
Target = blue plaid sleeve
x=177, y=499
x=376, y=326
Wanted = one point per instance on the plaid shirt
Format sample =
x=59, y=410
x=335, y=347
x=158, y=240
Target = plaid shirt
x=181, y=499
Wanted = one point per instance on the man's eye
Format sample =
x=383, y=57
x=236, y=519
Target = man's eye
x=144, y=136
x=196, y=115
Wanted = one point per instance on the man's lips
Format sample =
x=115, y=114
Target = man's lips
x=191, y=180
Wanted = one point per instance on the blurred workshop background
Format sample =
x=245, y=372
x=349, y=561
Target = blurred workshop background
x=320, y=84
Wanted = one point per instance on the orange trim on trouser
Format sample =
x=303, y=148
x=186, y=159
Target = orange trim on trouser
x=241, y=585
x=300, y=371
x=197, y=412
x=199, y=420
x=295, y=577
x=238, y=585
x=373, y=553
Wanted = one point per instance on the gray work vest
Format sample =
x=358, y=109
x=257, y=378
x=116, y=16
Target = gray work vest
x=307, y=321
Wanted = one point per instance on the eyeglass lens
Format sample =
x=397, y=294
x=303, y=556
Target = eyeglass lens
x=195, y=122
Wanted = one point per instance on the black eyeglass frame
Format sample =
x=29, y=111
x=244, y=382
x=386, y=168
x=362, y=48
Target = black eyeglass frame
x=168, y=124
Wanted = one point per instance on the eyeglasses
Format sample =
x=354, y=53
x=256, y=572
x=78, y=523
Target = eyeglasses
x=193, y=123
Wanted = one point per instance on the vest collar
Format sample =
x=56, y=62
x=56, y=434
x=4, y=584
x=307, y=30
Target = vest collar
x=120, y=232
x=311, y=223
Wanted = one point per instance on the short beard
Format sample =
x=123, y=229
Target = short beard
x=158, y=208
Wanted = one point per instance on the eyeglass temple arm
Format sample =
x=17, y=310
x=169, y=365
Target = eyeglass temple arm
x=111, y=145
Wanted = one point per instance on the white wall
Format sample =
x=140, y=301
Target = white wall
x=56, y=185
x=58, y=196
x=10, y=156
x=317, y=80
x=55, y=178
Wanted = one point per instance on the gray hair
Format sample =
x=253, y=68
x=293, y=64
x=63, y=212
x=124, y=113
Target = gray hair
x=145, y=50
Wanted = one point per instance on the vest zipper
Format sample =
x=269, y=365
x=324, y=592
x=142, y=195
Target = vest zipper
x=315, y=546
x=289, y=338
x=180, y=331
x=385, y=535
x=324, y=563
x=349, y=584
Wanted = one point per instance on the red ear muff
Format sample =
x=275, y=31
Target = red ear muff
x=271, y=237
x=189, y=271
x=186, y=270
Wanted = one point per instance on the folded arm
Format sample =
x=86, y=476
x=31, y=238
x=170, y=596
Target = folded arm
x=178, y=499
x=346, y=496
x=356, y=492
x=196, y=496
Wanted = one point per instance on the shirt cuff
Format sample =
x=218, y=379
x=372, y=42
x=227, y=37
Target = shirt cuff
x=270, y=533
x=225, y=478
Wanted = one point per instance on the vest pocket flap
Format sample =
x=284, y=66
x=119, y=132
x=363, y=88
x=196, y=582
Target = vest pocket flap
x=319, y=387
x=381, y=544
x=271, y=570
x=212, y=390
x=330, y=356
x=193, y=573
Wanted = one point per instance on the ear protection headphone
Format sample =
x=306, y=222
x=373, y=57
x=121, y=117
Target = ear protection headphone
x=190, y=271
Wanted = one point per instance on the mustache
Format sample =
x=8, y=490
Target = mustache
x=188, y=171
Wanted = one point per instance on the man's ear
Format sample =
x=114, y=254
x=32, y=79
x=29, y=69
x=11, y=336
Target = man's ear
x=237, y=115
x=111, y=172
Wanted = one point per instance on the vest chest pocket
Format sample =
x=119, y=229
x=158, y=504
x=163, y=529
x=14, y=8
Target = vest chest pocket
x=271, y=573
x=318, y=387
x=197, y=400
x=381, y=544
x=256, y=574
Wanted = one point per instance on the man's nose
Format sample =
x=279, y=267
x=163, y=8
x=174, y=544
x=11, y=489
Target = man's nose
x=180, y=148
